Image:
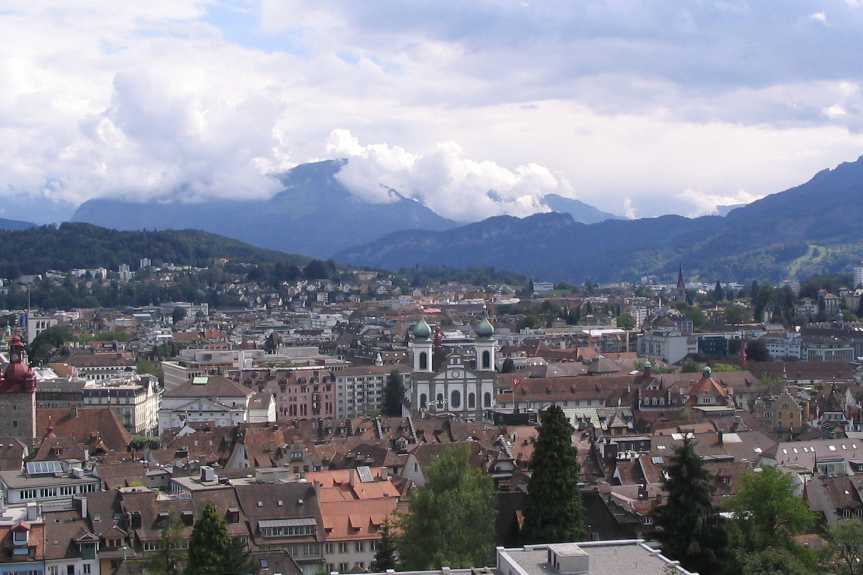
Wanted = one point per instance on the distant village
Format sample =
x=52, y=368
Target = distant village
x=308, y=414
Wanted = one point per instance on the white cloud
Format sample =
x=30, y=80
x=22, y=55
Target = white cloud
x=444, y=179
x=615, y=103
x=819, y=17
x=835, y=111
x=703, y=204
x=628, y=209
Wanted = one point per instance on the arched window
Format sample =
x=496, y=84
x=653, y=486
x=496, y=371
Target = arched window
x=486, y=359
x=486, y=399
x=424, y=360
x=440, y=400
x=471, y=400
x=422, y=401
x=455, y=399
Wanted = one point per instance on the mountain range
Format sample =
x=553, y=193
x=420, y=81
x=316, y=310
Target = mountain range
x=812, y=228
x=314, y=214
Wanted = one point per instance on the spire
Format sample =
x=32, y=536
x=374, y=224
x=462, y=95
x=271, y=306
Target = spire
x=681, y=285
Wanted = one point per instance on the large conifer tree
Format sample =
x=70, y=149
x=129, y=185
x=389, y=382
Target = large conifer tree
x=689, y=526
x=210, y=544
x=553, y=513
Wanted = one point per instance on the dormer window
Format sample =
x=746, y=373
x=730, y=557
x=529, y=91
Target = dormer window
x=19, y=537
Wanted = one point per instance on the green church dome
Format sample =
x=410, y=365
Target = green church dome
x=422, y=330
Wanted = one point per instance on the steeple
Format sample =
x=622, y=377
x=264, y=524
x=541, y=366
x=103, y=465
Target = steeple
x=681, y=285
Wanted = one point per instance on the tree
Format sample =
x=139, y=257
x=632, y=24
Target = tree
x=756, y=350
x=178, y=315
x=385, y=555
x=735, y=314
x=553, y=511
x=46, y=344
x=170, y=559
x=394, y=394
x=451, y=518
x=508, y=366
x=626, y=321
x=846, y=538
x=767, y=512
x=774, y=561
x=718, y=292
x=237, y=559
x=210, y=544
x=690, y=531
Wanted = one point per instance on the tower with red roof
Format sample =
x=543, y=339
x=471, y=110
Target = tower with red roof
x=18, y=396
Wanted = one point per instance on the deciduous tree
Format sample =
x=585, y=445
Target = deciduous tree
x=451, y=518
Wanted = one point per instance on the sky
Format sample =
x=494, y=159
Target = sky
x=476, y=108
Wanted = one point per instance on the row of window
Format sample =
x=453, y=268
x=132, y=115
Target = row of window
x=64, y=490
x=343, y=546
x=455, y=400
x=299, y=531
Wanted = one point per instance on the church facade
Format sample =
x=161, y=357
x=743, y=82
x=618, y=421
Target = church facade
x=457, y=378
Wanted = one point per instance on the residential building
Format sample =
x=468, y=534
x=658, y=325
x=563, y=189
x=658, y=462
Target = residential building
x=134, y=399
x=47, y=481
x=102, y=366
x=620, y=556
x=360, y=389
x=667, y=344
x=36, y=324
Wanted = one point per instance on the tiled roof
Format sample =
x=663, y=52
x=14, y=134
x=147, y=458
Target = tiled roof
x=215, y=386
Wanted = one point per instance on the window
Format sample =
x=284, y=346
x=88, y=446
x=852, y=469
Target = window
x=359, y=546
x=486, y=359
x=455, y=399
x=423, y=401
x=471, y=400
x=343, y=547
x=70, y=569
x=424, y=360
x=343, y=567
x=86, y=569
x=486, y=399
x=329, y=547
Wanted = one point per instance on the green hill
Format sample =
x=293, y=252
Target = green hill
x=74, y=245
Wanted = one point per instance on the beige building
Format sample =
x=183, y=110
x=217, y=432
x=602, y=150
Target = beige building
x=134, y=399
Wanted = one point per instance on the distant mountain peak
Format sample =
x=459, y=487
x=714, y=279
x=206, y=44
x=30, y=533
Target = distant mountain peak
x=580, y=211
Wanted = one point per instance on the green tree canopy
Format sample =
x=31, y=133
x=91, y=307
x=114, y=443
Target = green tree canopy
x=846, y=538
x=210, y=544
x=767, y=512
x=170, y=559
x=626, y=321
x=689, y=526
x=553, y=513
x=451, y=518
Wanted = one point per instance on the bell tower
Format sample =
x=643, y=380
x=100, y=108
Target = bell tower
x=18, y=396
x=485, y=344
x=421, y=347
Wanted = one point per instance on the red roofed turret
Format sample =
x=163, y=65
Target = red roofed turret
x=18, y=377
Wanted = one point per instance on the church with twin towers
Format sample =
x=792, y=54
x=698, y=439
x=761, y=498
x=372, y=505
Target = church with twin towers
x=452, y=374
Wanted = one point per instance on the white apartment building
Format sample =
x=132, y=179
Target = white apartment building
x=135, y=400
x=360, y=390
x=37, y=324
x=670, y=346
x=787, y=346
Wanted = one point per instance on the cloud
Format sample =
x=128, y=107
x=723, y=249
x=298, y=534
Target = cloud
x=704, y=204
x=477, y=108
x=444, y=179
x=819, y=17
x=628, y=209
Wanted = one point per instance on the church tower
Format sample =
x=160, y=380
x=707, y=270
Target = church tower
x=421, y=347
x=18, y=396
x=484, y=345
